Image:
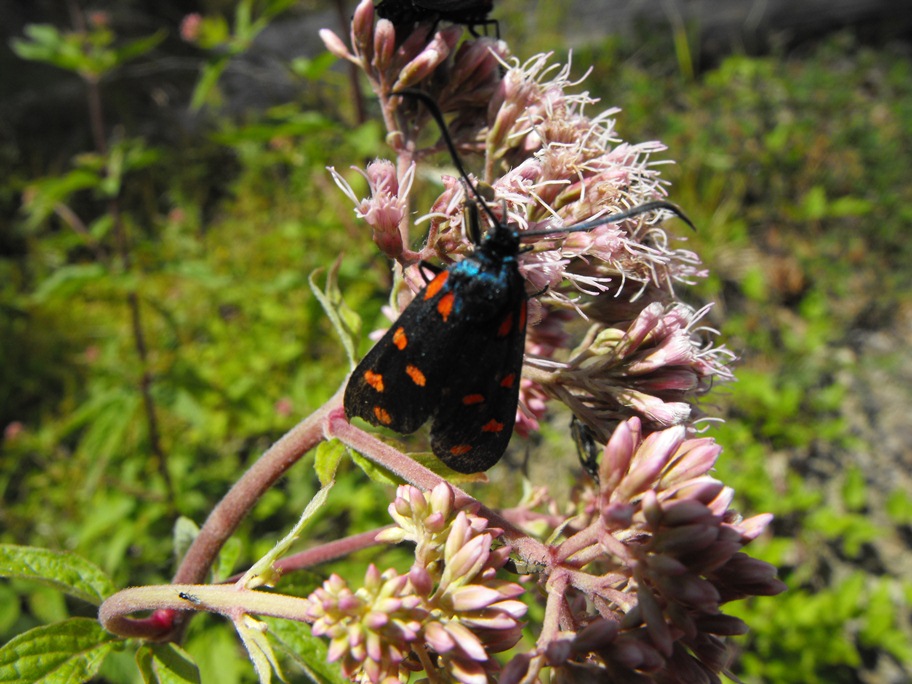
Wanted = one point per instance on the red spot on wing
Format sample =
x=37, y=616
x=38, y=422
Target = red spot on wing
x=506, y=325
x=492, y=426
x=375, y=380
x=445, y=305
x=416, y=375
x=400, y=339
x=435, y=285
x=470, y=399
x=522, y=316
x=382, y=415
x=460, y=449
x=508, y=380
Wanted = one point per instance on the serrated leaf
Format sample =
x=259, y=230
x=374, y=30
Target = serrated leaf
x=166, y=664
x=310, y=653
x=327, y=460
x=62, y=570
x=66, y=653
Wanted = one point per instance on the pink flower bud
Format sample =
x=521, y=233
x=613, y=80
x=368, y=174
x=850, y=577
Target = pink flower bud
x=431, y=57
x=384, y=45
x=363, y=30
x=335, y=45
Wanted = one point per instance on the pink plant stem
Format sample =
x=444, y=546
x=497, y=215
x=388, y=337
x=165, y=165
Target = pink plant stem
x=324, y=553
x=337, y=426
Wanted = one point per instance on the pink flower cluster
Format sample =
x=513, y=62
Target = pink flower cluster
x=448, y=614
x=646, y=567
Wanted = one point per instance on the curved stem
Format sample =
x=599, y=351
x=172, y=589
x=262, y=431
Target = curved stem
x=228, y=600
x=324, y=552
x=225, y=518
x=232, y=509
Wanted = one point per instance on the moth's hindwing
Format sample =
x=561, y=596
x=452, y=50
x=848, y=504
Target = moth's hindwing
x=474, y=421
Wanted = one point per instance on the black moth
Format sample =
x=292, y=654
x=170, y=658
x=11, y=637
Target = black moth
x=406, y=13
x=455, y=354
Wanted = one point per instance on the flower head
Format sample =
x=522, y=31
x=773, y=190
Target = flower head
x=666, y=557
x=450, y=603
x=370, y=629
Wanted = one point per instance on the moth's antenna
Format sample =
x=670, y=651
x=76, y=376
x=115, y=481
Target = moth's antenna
x=437, y=115
x=644, y=208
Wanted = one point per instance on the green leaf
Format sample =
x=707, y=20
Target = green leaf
x=46, y=604
x=44, y=196
x=62, y=570
x=312, y=69
x=814, y=204
x=899, y=506
x=67, y=281
x=375, y=472
x=854, y=489
x=212, y=72
x=310, y=653
x=262, y=572
x=366, y=139
x=45, y=41
x=9, y=608
x=166, y=664
x=438, y=467
x=227, y=560
x=66, y=652
x=327, y=460
x=253, y=634
x=107, y=433
x=139, y=47
x=850, y=206
x=185, y=532
x=344, y=321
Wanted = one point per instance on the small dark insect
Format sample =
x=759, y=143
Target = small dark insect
x=406, y=13
x=586, y=447
x=190, y=598
x=455, y=354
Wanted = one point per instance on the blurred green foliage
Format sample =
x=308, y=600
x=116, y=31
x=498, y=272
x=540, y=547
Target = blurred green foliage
x=796, y=168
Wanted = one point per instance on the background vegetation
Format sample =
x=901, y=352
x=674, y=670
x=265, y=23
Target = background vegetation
x=157, y=329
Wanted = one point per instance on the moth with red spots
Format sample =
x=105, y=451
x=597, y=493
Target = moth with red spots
x=455, y=354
